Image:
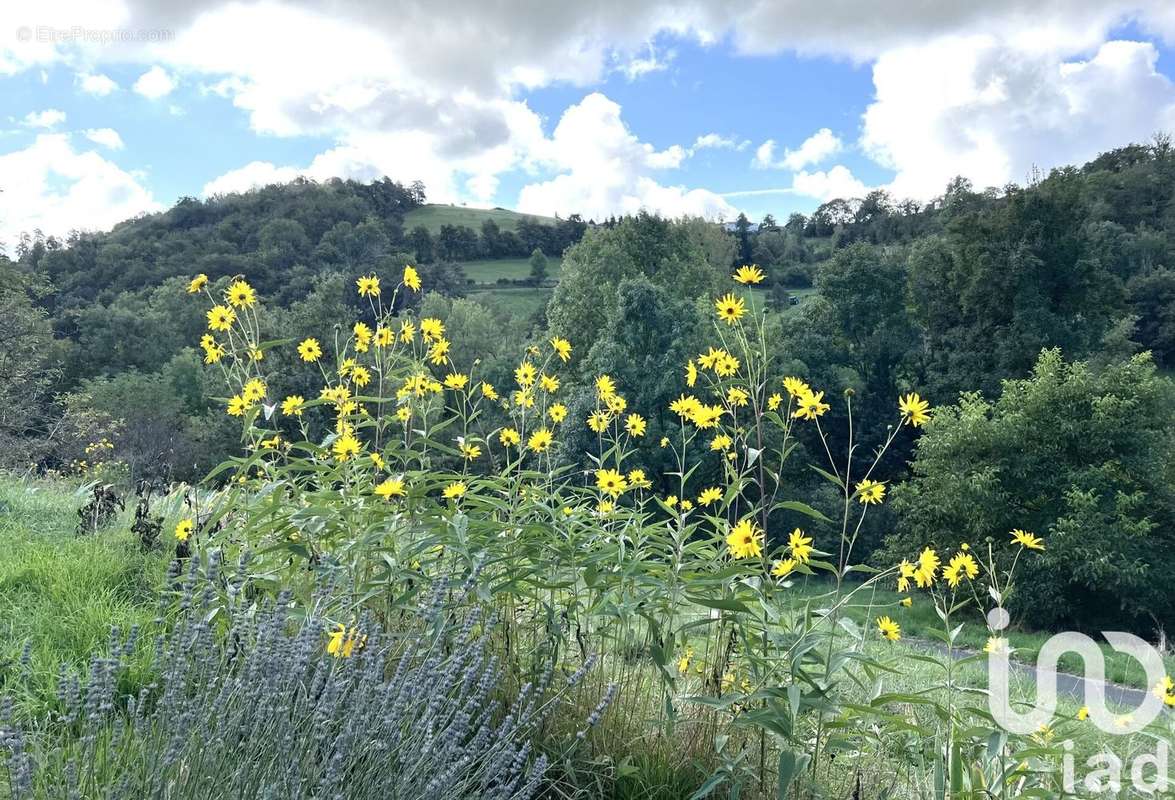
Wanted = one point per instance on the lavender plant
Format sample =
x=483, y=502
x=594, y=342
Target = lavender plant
x=270, y=704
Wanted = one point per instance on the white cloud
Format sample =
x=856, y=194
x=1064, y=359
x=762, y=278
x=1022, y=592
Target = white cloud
x=253, y=175
x=155, y=83
x=837, y=182
x=49, y=118
x=98, y=85
x=604, y=170
x=639, y=66
x=816, y=148
x=51, y=186
x=991, y=112
x=107, y=137
x=716, y=141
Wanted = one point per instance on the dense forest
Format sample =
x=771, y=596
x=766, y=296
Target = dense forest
x=1042, y=312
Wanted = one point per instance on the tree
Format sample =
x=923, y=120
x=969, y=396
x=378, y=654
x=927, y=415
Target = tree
x=1084, y=458
x=420, y=241
x=742, y=230
x=538, y=266
x=27, y=374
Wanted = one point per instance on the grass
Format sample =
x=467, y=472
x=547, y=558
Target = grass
x=61, y=593
x=490, y=270
x=523, y=302
x=434, y=215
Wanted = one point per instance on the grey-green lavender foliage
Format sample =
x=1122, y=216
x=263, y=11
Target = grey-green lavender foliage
x=261, y=710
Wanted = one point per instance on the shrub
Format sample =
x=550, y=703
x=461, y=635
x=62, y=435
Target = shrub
x=291, y=706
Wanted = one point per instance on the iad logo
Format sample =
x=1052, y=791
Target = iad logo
x=1093, y=681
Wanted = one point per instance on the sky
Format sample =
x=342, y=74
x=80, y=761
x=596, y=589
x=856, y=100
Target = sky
x=113, y=108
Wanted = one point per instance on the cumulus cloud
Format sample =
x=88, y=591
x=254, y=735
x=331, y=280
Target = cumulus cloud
x=253, y=175
x=49, y=118
x=155, y=83
x=716, y=141
x=816, y=148
x=51, y=186
x=837, y=182
x=991, y=112
x=107, y=137
x=97, y=85
x=605, y=169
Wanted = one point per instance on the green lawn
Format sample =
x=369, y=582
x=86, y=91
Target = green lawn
x=434, y=215
x=61, y=593
x=489, y=270
x=523, y=302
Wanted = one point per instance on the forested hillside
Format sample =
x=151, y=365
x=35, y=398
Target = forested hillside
x=868, y=296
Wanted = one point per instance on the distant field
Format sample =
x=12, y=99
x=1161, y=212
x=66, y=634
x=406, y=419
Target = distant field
x=434, y=215
x=523, y=302
x=489, y=270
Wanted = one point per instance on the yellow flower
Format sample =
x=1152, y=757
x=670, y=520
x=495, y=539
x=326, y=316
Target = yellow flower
x=237, y=406
x=455, y=490
x=525, y=374
x=606, y=507
x=404, y=413
x=730, y=308
x=686, y=505
x=432, y=329
x=407, y=331
x=721, y=442
x=774, y=401
x=377, y=460
x=540, y=440
x=1083, y=713
x=1026, y=539
x=800, y=545
x=509, y=437
x=456, y=381
x=889, y=629
x=683, y=662
x=562, y=348
x=635, y=425
x=310, y=350
x=671, y=501
x=184, y=529
x=745, y=540
x=616, y=403
x=345, y=447
x=489, y=391
x=906, y=602
x=783, y=567
x=709, y=495
x=811, y=406
x=549, y=383
x=253, y=390
x=391, y=487
x=213, y=354
x=737, y=397
x=360, y=376
x=796, y=387
x=439, y=352
x=598, y=421
x=610, y=481
x=605, y=386
x=557, y=412
x=914, y=409
x=524, y=399
x=870, y=492
x=706, y=417
x=197, y=283
x=996, y=644
x=747, y=275
x=685, y=406
x=952, y=574
x=928, y=563
x=342, y=642
x=637, y=479
x=691, y=373
x=664, y=441
x=363, y=336
x=470, y=451
x=240, y=295
x=368, y=286
x=726, y=365
x=221, y=318
x=411, y=278
x=384, y=336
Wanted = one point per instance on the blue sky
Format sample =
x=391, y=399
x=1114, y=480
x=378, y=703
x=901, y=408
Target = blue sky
x=596, y=108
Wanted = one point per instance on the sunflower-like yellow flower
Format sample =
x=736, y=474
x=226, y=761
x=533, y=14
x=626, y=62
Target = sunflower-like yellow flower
x=610, y=481
x=346, y=447
x=455, y=490
x=721, y=442
x=411, y=278
x=456, y=381
x=562, y=348
x=598, y=421
x=709, y=495
x=691, y=373
x=368, y=286
x=240, y=295
x=509, y=437
x=183, y=529
x=221, y=318
x=737, y=397
x=635, y=425
x=745, y=540
x=488, y=391
x=889, y=629
x=800, y=546
x=438, y=353
x=928, y=563
x=549, y=383
x=540, y=440
x=360, y=376
x=431, y=329
x=197, y=283
x=390, y=487
x=342, y=642
x=1028, y=540
x=782, y=567
x=237, y=406
x=748, y=275
x=730, y=308
x=470, y=451
x=253, y=390
x=557, y=412
x=605, y=386
x=796, y=387
x=914, y=409
x=870, y=492
x=810, y=406
x=310, y=350
x=384, y=336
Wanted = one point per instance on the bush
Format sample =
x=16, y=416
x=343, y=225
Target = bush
x=292, y=706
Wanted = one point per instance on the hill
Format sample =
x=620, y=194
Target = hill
x=433, y=215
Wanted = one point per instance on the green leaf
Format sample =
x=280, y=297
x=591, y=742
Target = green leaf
x=790, y=765
x=800, y=508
